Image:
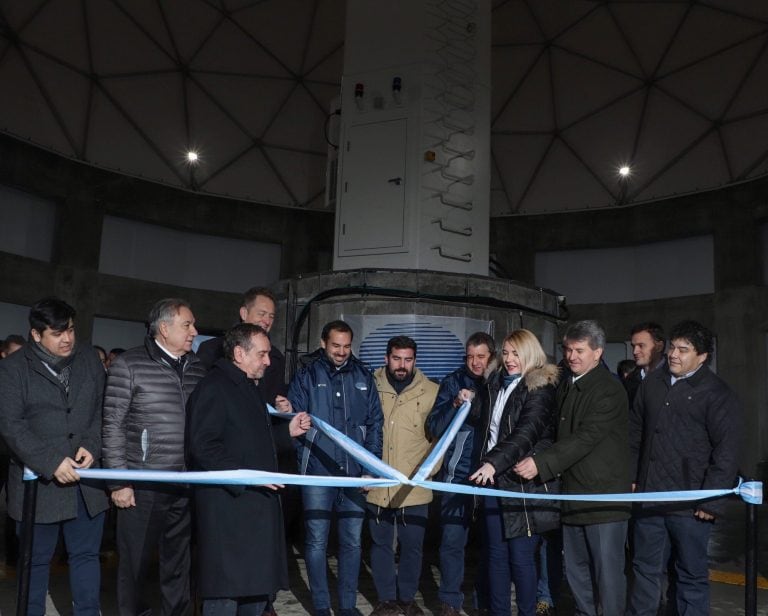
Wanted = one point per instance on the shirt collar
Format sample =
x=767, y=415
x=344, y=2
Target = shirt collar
x=166, y=351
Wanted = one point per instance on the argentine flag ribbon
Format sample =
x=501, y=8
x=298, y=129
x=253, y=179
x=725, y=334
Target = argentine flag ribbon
x=749, y=491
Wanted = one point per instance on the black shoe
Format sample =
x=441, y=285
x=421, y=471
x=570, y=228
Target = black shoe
x=410, y=608
x=387, y=608
x=448, y=610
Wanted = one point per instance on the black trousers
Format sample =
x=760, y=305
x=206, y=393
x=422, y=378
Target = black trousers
x=160, y=522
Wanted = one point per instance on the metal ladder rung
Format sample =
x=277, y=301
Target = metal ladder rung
x=447, y=254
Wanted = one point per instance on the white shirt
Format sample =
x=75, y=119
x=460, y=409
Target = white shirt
x=498, y=411
x=166, y=351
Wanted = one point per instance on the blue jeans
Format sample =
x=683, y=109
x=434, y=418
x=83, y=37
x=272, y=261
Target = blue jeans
x=455, y=514
x=550, y=567
x=508, y=560
x=82, y=537
x=243, y=606
x=349, y=505
x=401, y=581
x=689, y=537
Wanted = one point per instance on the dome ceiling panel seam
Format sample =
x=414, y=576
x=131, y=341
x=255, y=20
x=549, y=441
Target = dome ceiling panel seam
x=48, y=99
x=670, y=163
x=146, y=138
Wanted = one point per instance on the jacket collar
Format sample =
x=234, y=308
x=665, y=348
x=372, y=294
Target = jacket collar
x=319, y=355
x=233, y=372
x=414, y=389
x=694, y=380
x=156, y=353
x=76, y=378
x=37, y=365
x=591, y=378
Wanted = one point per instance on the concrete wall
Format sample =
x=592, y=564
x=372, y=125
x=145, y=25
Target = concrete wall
x=83, y=196
x=735, y=218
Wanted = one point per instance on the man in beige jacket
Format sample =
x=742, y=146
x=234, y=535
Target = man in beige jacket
x=407, y=396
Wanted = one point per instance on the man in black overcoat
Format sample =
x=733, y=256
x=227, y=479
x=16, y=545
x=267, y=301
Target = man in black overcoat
x=50, y=416
x=241, y=545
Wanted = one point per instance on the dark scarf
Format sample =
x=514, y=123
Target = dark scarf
x=510, y=378
x=61, y=366
x=399, y=386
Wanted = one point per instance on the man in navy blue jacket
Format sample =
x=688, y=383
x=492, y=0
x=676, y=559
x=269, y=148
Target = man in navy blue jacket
x=336, y=387
x=456, y=509
x=686, y=433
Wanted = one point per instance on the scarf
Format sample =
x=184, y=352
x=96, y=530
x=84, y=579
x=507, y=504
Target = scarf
x=61, y=366
x=510, y=378
x=399, y=386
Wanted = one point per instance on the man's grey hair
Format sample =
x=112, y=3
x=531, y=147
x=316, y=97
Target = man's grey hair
x=591, y=331
x=164, y=311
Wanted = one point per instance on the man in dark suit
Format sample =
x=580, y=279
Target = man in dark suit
x=50, y=417
x=647, y=340
x=258, y=308
x=242, y=554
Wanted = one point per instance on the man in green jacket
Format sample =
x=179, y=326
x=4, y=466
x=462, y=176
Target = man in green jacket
x=591, y=454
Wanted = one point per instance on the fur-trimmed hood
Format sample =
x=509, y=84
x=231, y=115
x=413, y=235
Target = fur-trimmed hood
x=548, y=374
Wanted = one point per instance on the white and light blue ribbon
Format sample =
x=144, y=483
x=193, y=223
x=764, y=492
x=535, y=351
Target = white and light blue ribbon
x=234, y=477
x=749, y=491
x=438, y=451
x=357, y=451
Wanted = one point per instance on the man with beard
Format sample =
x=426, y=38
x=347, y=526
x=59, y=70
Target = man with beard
x=407, y=397
x=335, y=386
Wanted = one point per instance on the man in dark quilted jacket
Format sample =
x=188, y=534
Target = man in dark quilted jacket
x=686, y=429
x=143, y=428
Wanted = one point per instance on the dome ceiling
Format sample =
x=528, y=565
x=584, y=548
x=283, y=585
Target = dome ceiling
x=676, y=91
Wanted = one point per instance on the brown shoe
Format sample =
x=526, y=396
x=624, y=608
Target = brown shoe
x=270, y=611
x=387, y=608
x=410, y=608
x=448, y=610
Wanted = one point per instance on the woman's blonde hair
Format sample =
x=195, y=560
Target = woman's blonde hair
x=528, y=348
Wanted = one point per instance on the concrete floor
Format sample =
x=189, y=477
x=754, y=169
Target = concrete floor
x=726, y=575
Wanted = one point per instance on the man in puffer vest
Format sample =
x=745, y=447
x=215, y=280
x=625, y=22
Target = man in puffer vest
x=407, y=396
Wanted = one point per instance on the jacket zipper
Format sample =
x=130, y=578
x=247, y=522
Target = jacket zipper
x=525, y=509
